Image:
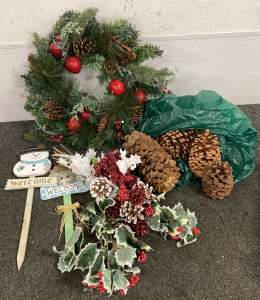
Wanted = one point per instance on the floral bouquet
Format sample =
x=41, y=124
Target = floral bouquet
x=123, y=207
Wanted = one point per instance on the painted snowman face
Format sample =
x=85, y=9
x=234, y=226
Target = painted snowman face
x=32, y=156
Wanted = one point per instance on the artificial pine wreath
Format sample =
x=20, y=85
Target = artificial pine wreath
x=79, y=40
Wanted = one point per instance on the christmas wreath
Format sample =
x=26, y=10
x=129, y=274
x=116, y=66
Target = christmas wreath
x=123, y=207
x=65, y=113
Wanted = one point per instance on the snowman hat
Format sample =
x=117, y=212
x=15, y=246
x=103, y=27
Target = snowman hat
x=34, y=149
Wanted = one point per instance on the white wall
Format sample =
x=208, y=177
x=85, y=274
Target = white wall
x=215, y=44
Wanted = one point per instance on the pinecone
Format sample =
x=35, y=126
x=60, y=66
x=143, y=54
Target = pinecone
x=110, y=66
x=178, y=142
x=158, y=168
x=54, y=110
x=131, y=213
x=150, y=197
x=217, y=180
x=137, y=114
x=83, y=46
x=102, y=124
x=100, y=188
x=126, y=57
x=204, y=152
x=32, y=59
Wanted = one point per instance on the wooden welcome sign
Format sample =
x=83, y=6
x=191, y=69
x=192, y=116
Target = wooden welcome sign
x=33, y=163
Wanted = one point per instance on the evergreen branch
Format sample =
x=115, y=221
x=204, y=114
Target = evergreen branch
x=146, y=52
x=94, y=61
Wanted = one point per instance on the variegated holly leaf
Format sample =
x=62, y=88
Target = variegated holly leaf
x=66, y=260
x=122, y=235
x=119, y=281
x=143, y=246
x=187, y=231
x=161, y=197
x=74, y=237
x=108, y=280
x=154, y=222
x=125, y=256
x=192, y=219
x=86, y=256
x=104, y=204
x=187, y=240
x=135, y=270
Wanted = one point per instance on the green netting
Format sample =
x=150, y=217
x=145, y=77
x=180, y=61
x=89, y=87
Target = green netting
x=207, y=110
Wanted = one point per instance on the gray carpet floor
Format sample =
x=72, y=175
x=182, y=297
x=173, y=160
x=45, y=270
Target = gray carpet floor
x=223, y=264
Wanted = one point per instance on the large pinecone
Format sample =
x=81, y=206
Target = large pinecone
x=110, y=66
x=178, y=142
x=217, y=180
x=158, y=168
x=126, y=57
x=83, y=46
x=102, y=124
x=53, y=109
x=204, y=152
x=100, y=188
x=131, y=213
x=137, y=114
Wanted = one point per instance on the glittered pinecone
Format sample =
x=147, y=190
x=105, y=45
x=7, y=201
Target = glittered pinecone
x=178, y=142
x=83, y=46
x=53, y=109
x=100, y=188
x=110, y=66
x=204, y=152
x=217, y=180
x=157, y=168
x=131, y=213
x=137, y=114
x=126, y=57
x=102, y=124
x=149, y=196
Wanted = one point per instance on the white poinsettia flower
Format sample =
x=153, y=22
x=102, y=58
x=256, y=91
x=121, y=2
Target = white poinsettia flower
x=81, y=165
x=64, y=162
x=127, y=162
x=91, y=153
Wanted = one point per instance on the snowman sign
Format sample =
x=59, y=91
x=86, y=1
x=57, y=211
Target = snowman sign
x=33, y=163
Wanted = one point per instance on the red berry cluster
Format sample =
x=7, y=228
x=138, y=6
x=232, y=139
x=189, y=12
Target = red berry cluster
x=58, y=139
x=133, y=280
x=140, y=228
x=196, y=231
x=149, y=211
x=141, y=256
x=176, y=237
x=99, y=287
x=137, y=195
x=180, y=229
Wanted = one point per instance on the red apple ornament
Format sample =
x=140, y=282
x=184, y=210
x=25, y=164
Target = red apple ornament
x=55, y=49
x=141, y=96
x=85, y=114
x=117, y=87
x=73, y=64
x=73, y=124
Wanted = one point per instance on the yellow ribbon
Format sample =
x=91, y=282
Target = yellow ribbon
x=64, y=210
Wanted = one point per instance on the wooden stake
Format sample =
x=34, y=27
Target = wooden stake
x=69, y=227
x=25, y=227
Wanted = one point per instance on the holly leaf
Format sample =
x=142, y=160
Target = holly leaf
x=87, y=256
x=192, y=219
x=74, y=238
x=103, y=204
x=97, y=267
x=154, y=222
x=135, y=270
x=91, y=207
x=109, y=228
x=125, y=256
x=66, y=260
x=121, y=235
x=108, y=280
x=119, y=281
x=94, y=160
x=187, y=240
x=187, y=230
x=112, y=260
x=161, y=197
x=143, y=246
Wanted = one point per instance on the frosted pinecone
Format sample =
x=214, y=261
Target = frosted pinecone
x=131, y=213
x=100, y=188
x=149, y=196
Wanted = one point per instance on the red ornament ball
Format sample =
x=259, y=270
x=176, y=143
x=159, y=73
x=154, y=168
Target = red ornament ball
x=61, y=137
x=141, y=96
x=117, y=87
x=58, y=139
x=55, y=49
x=85, y=114
x=169, y=92
x=73, y=124
x=52, y=136
x=73, y=64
